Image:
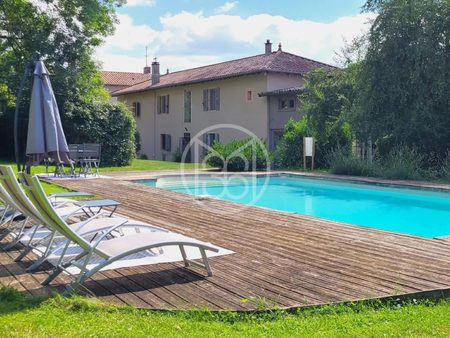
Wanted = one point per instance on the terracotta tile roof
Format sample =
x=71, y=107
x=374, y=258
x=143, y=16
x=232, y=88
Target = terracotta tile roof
x=279, y=62
x=123, y=78
x=282, y=91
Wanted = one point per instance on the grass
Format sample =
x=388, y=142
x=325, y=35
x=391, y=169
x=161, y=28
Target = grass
x=21, y=316
x=136, y=165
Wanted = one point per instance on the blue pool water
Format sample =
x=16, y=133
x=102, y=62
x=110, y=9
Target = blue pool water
x=412, y=211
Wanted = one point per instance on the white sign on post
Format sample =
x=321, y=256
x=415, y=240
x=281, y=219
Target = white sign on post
x=308, y=150
x=309, y=146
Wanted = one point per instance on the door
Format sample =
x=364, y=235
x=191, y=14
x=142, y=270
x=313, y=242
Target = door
x=185, y=140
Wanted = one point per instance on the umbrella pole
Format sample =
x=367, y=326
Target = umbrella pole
x=26, y=73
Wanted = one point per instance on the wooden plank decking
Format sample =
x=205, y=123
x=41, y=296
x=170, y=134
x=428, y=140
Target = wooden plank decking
x=281, y=259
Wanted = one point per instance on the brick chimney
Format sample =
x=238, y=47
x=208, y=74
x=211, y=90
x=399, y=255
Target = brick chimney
x=268, y=47
x=147, y=70
x=155, y=72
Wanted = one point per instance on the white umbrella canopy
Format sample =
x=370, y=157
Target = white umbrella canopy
x=45, y=133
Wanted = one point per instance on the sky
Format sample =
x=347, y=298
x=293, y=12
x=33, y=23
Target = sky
x=184, y=34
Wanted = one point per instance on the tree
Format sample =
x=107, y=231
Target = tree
x=64, y=33
x=328, y=96
x=404, y=87
x=111, y=125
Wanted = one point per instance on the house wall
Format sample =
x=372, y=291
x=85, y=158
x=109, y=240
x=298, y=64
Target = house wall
x=235, y=109
x=279, y=80
x=146, y=122
x=279, y=117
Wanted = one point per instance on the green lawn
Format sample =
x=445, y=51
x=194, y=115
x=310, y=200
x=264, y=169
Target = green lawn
x=136, y=165
x=80, y=317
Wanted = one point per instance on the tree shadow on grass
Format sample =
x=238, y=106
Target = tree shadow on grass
x=13, y=300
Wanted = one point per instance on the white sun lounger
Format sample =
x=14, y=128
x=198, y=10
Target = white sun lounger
x=107, y=251
x=12, y=191
x=43, y=239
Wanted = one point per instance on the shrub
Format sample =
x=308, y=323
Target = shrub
x=177, y=155
x=402, y=163
x=111, y=125
x=289, y=153
x=239, y=155
x=343, y=162
x=445, y=168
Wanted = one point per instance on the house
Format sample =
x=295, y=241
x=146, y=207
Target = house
x=115, y=81
x=258, y=93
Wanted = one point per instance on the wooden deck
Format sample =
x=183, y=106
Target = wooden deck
x=281, y=259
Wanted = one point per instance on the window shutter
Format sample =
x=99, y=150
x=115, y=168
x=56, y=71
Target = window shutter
x=138, y=109
x=205, y=99
x=167, y=104
x=217, y=138
x=133, y=108
x=217, y=98
x=158, y=103
x=205, y=141
x=168, y=143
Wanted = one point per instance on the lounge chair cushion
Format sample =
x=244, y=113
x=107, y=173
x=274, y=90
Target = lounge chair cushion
x=137, y=242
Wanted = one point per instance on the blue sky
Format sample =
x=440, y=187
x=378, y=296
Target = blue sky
x=189, y=33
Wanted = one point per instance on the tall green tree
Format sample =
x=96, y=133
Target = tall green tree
x=64, y=33
x=405, y=78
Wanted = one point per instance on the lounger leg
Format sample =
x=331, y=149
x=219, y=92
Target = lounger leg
x=23, y=254
x=44, y=256
x=19, y=236
x=205, y=262
x=7, y=229
x=60, y=268
x=30, y=246
x=55, y=273
x=183, y=253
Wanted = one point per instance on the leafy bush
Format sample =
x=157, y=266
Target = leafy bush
x=402, y=163
x=342, y=162
x=239, y=155
x=289, y=153
x=111, y=125
x=177, y=155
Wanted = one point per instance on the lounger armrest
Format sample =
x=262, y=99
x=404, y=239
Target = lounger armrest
x=90, y=219
x=103, y=236
x=70, y=194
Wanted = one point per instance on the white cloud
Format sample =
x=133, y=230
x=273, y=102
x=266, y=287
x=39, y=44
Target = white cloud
x=192, y=39
x=135, y=3
x=226, y=7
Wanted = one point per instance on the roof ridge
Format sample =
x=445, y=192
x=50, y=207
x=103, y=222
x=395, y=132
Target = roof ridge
x=305, y=58
x=118, y=71
x=216, y=64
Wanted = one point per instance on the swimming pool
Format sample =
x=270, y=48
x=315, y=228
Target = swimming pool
x=412, y=211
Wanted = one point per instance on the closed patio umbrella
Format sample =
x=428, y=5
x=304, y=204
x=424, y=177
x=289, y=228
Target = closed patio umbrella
x=46, y=137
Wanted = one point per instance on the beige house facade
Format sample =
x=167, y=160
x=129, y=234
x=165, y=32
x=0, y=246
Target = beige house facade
x=256, y=94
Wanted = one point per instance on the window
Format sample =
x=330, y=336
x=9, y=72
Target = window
x=249, y=95
x=211, y=99
x=136, y=109
x=209, y=140
x=163, y=104
x=166, y=142
x=286, y=104
x=187, y=106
